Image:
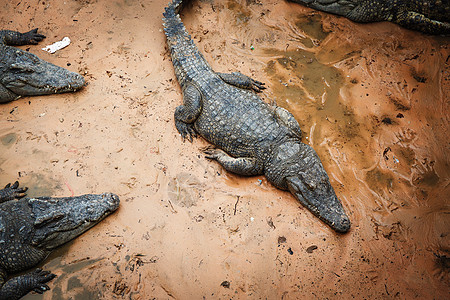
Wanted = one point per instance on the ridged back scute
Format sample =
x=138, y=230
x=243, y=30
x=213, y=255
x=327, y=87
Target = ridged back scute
x=174, y=7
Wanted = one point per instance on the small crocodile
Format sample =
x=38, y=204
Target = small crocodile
x=252, y=138
x=30, y=228
x=25, y=74
x=428, y=16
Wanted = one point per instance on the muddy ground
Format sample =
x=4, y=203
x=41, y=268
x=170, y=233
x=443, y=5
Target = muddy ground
x=372, y=99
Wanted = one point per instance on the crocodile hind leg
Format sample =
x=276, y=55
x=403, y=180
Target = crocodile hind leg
x=31, y=37
x=11, y=192
x=417, y=21
x=242, y=81
x=186, y=114
x=19, y=286
x=241, y=165
x=289, y=121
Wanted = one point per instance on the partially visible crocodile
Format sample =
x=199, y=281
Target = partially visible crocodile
x=30, y=228
x=25, y=74
x=429, y=16
x=254, y=138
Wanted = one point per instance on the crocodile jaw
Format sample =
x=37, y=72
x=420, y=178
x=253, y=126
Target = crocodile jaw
x=28, y=75
x=59, y=220
x=326, y=207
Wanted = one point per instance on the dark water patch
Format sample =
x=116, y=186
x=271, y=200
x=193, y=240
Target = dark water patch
x=425, y=175
x=59, y=289
x=73, y=283
x=300, y=81
x=408, y=155
x=8, y=139
x=312, y=26
x=442, y=261
x=241, y=14
x=39, y=185
x=379, y=181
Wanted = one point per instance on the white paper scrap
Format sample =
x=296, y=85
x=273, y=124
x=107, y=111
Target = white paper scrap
x=58, y=45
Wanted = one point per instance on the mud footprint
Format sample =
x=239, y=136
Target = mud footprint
x=184, y=189
x=407, y=135
x=424, y=174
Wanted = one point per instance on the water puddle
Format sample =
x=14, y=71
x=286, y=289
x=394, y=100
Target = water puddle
x=8, y=139
x=39, y=185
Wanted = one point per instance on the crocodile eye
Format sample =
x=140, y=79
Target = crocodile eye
x=21, y=68
x=310, y=184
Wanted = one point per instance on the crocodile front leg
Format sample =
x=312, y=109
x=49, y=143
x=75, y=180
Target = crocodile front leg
x=241, y=165
x=289, y=121
x=19, y=286
x=186, y=114
x=242, y=81
x=9, y=37
x=11, y=192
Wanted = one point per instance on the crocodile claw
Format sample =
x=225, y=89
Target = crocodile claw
x=186, y=130
x=39, y=278
x=14, y=192
x=32, y=37
x=211, y=152
x=257, y=86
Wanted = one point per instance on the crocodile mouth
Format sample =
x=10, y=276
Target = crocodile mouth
x=336, y=220
x=59, y=220
x=27, y=87
x=323, y=203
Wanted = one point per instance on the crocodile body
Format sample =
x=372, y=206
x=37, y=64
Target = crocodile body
x=30, y=228
x=25, y=74
x=428, y=16
x=252, y=138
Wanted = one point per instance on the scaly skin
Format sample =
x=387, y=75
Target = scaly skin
x=24, y=74
x=253, y=138
x=428, y=16
x=30, y=228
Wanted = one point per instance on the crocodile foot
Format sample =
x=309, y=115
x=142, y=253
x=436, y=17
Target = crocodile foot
x=39, y=279
x=32, y=37
x=242, y=81
x=19, y=286
x=256, y=85
x=211, y=152
x=11, y=192
x=186, y=130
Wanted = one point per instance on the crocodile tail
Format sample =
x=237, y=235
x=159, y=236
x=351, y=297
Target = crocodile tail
x=173, y=25
x=186, y=58
x=175, y=6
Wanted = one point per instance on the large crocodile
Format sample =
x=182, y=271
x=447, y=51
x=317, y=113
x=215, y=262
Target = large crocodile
x=30, y=228
x=25, y=74
x=254, y=138
x=429, y=16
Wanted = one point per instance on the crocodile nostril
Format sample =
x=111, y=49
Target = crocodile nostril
x=344, y=225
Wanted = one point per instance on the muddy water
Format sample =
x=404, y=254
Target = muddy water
x=371, y=99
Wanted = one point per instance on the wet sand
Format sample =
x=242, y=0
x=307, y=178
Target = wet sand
x=372, y=100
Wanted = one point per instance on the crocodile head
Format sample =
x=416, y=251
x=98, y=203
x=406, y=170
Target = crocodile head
x=25, y=74
x=58, y=220
x=295, y=166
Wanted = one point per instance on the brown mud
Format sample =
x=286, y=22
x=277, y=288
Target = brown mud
x=372, y=99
